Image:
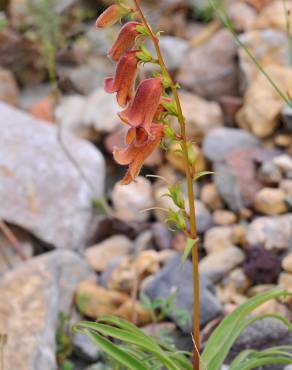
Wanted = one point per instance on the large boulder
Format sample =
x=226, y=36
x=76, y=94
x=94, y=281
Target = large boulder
x=41, y=190
x=32, y=296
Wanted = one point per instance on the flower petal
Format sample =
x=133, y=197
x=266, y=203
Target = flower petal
x=109, y=17
x=125, y=40
x=124, y=80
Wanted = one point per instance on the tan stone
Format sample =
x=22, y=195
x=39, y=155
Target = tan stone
x=218, y=238
x=283, y=140
x=223, y=217
x=129, y=272
x=239, y=234
x=285, y=281
x=32, y=296
x=258, y=289
x=262, y=105
x=270, y=201
x=132, y=200
x=283, y=162
x=272, y=306
x=219, y=263
x=286, y=186
x=211, y=197
x=275, y=16
x=94, y=301
x=100, y=255
x=128, y=311
x=201, y=115
x=287, y=263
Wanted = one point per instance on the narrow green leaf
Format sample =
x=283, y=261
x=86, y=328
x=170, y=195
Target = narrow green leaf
x=257, y=363
x=116, y=353
x=203, y=173
x=190, y=244
x=230, y=328
x=242, y=356
x=148, y=345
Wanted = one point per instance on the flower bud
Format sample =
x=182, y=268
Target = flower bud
x=109, y=17
x=125, y=40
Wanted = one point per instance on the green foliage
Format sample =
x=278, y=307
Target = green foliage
x=205, y=14
x=47, y=26
x=64, y=342
x=176, y=218
x=68, y=365
x=162, y=308
x=175, y=193
x=190, y=244
x=136, y=350
x=101, y=206
x=233, y=325
x=3, y=21
x=81, y=301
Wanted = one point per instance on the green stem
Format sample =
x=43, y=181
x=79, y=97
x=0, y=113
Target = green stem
x=190, y=190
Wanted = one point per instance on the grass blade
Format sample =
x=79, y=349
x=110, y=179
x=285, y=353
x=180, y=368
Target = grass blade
x=124, y=358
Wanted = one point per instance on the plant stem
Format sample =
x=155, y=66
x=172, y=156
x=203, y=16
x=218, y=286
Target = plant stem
x=189, y=178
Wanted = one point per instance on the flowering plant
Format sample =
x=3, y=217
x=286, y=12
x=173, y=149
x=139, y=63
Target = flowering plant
x=145, y=112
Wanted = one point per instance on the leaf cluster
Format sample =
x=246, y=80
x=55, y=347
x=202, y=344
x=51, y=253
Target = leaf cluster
x=134, y=349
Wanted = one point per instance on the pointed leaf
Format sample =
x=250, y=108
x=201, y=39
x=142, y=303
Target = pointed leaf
x=190, y=244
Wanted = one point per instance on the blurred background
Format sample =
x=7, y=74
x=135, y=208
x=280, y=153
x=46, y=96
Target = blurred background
x=74, y=243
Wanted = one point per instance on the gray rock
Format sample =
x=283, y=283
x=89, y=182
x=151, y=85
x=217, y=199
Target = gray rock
x=85, y=349
x=203, y=217
x=287, y=117
x=99, y=366
x=263, y=334
x=269, y=173
x=219, y=263
x=174, y=49
x=87, y=77
x=31, y=298
x=228, y=187
x=210, y=70
x=81, y=114
x=31, y=95
x=40, y=188
x=222, y=141
x=270, y=46
x=177, y=278
x=271, y=232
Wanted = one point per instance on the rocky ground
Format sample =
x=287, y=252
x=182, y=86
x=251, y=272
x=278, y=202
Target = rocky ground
x=60, y=253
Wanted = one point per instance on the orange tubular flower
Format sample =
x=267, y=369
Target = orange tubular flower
x=125, y=40
x=109, y=17
x=124, y=80
x=137, y=150
x=143, y=108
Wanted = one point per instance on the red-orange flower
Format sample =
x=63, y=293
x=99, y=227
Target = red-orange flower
x=109, y=17
x=143, y=108
x=139, y=147
x=124, y=80
x=125, y=40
